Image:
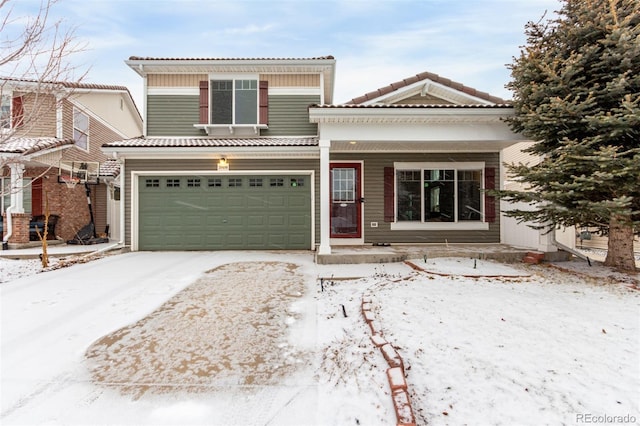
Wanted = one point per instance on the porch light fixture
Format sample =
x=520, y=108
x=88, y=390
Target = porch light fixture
x=223, y=164
x=352, y=142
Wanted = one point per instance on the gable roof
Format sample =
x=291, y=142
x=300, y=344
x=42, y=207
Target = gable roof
x=426, y=76
x=51, y=85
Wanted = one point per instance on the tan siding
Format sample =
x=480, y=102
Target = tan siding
x=175, y=80
x=291, y=80
x=208, y=164
x=374, y=165
x=99, y=134
x=39, y=115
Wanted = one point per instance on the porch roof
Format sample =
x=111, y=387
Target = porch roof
x=32, y=145
x=191, y=142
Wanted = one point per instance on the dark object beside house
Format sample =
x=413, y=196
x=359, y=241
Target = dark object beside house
x=37, y=225
x=87, y=235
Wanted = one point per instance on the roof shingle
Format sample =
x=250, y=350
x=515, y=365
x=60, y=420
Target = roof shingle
x=27, y=145
x=187, y=142
x=424, y=76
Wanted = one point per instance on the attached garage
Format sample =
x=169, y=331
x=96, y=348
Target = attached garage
x=224, y=212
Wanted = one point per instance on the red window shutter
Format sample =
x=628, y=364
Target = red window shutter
x=489, y=201
x=389, y=194
x=36, y=197
x=263, y=94
x=204, y=102
x=17, y=112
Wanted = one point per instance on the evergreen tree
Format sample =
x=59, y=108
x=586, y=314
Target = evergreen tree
x=576, y=87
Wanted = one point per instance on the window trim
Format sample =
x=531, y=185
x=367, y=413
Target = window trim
x=231, y=128
x=441, y=226
x=77, y=110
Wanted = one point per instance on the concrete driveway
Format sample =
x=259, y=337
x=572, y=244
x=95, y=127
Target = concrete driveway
x=148, y=323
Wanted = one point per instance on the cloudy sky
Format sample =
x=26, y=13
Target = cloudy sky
x=375, y=42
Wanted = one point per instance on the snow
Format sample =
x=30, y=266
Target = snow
x=244, y=338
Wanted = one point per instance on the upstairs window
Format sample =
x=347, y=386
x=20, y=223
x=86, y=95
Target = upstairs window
x=80, y=129
x=11, y=112
x=5, y=112
x=234, y=102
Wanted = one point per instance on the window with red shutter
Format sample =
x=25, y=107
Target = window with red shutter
x=389, y=194
x=204, y=102
x=17, y=112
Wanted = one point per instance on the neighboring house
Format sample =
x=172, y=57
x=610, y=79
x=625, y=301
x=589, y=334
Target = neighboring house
x=49, y=125
x=252, y=154
x=567, y=238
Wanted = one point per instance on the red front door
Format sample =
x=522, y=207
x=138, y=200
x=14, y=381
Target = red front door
x=346, y=200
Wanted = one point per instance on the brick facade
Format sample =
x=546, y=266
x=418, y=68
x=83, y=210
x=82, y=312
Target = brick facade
x=68, y=203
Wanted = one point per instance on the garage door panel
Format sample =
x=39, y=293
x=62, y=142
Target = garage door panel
x=255, y=221
x=224, y=212
x=298, y=200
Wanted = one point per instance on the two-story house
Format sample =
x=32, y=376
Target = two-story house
x=48, y=128
x=251, y=153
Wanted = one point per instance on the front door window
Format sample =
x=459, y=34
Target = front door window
x=345, y=201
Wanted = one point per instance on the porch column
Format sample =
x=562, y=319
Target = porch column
x=17, y=198
x=325, y=196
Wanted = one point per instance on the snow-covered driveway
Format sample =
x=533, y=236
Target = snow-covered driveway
x=65, y=330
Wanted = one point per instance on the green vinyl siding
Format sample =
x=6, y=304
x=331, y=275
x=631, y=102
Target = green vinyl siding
x=373, y=208
x=289, y=115
x=173, y=115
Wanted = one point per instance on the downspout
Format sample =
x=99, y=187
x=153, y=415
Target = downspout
x=16, y=200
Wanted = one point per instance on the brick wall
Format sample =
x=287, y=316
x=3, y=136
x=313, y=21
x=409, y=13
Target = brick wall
x=19, y=226
x=68, y=203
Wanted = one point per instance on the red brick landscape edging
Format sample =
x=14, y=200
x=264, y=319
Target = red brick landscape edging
x=395, y=372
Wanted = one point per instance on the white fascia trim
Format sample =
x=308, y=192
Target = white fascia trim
x=412, y=114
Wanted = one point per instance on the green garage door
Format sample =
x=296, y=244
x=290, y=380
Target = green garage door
x=224, y=212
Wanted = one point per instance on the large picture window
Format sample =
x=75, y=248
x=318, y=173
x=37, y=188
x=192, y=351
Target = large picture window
x=234, y=101
x=428, y=193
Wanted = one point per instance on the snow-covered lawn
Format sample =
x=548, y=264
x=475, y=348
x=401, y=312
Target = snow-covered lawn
x=229, y=338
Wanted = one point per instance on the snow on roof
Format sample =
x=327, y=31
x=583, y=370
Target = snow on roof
x=213, y=142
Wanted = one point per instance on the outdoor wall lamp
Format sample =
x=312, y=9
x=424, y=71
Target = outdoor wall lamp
x=223, y=164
